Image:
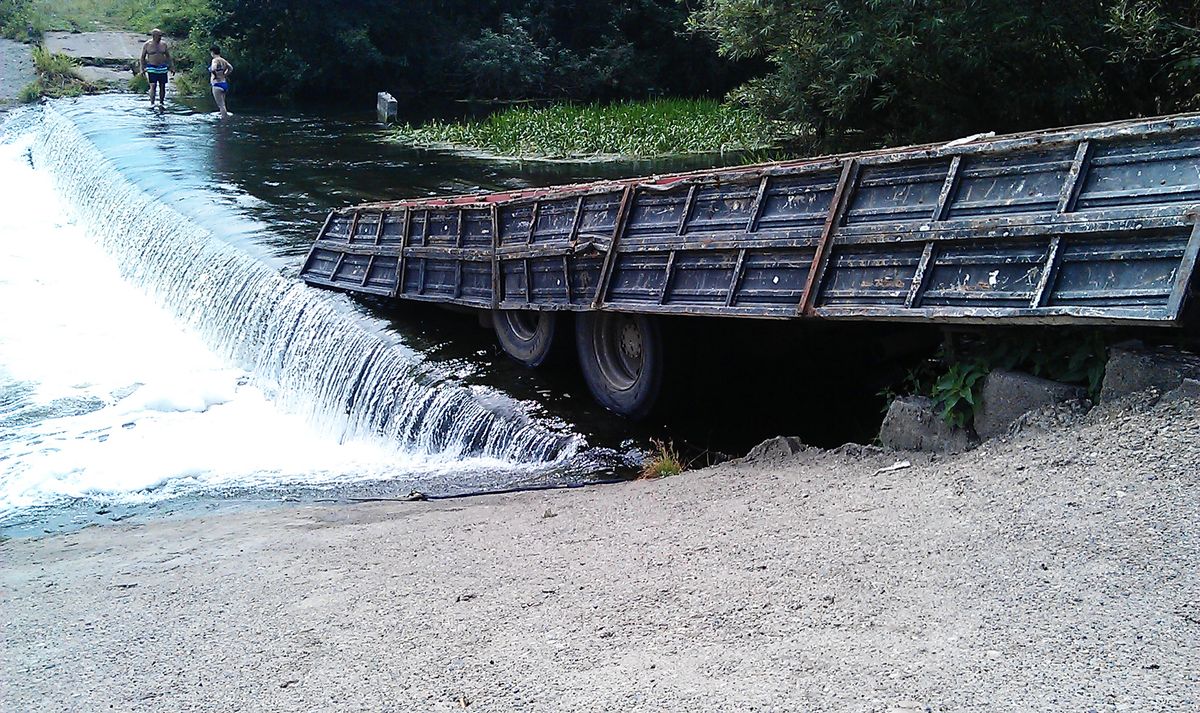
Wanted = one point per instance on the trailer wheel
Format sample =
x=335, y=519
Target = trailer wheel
x=525, y=335
x=621, y=356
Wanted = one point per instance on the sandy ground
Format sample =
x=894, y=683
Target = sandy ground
x=16, y=70
x=1052, y=571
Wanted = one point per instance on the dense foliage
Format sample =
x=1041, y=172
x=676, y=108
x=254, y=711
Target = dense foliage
x=480, y=48
x=871, y=71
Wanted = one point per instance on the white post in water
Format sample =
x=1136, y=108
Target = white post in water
x=386, y=107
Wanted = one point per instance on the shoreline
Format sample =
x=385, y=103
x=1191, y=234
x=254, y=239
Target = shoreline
x=1051, y=570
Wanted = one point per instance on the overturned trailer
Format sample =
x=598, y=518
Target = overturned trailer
x=1094, y=224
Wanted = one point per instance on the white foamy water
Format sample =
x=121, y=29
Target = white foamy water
x=145, y=371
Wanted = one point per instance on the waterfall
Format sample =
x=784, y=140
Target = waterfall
x=303, y=346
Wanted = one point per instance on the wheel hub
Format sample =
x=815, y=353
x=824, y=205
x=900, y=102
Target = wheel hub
x=631, y=341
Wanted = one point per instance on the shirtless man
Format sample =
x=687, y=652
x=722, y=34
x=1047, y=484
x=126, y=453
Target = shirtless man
x=156, y=61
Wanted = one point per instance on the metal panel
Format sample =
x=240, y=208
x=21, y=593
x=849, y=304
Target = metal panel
x=1092, y=224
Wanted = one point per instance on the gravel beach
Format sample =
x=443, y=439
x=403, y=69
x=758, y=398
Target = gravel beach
x=1053, y=570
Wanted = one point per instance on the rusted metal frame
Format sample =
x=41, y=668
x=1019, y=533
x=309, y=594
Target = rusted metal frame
x=1127, y=159
x=756, y=207
x=528, y=281
x=1111, y=293
x=496, y=277
x=720, y=242
x=1049, y=272
x=610, y=256
x=948, y=187
x=458, y=241
x=1186, y=274
x=1161, y=192
x=437, y=251
x=533, y=219
x=980, y=296
x=666, y=285
x=1075, y=178
x=837, y=208
x=912, y=299
x=378, y=237
x=955, y=231
x=567, y=277
x=325, y=282
x=739, y=268
x=983, y=315
x=572, y=238
x=349, y=239
x=405, y=227
x=704, y=310
x=320, y=236
x=688, y=203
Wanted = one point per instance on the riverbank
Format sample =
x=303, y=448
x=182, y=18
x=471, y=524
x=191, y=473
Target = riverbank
x=1050, y=571
x=632, y=129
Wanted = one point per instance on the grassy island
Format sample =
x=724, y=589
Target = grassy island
x=628, y=129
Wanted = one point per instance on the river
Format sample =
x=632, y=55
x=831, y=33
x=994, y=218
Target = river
x=156, y=346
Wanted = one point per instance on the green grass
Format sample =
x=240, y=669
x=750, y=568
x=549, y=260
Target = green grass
x=55, y=77
x=662, y=463
x=635, y=129
x=27, y=20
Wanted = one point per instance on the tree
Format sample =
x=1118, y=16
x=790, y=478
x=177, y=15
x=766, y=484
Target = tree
x=875, y=71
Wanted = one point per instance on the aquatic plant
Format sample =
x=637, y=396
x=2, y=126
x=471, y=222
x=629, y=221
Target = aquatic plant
x=631, y=128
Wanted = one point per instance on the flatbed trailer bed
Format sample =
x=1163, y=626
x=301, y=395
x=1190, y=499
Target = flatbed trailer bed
x=1085, y=225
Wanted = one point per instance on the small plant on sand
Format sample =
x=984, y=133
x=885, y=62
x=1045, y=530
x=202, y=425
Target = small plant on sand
x=662, y=462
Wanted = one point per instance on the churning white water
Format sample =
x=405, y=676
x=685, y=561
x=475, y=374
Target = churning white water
x=142, y=357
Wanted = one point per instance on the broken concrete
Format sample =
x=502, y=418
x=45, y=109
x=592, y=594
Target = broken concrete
x=1008, y=395
x=913, y=424
x=774, y=449
x=1189, y=389
x=104, y=75
x=1134, y=367
x=108, y=49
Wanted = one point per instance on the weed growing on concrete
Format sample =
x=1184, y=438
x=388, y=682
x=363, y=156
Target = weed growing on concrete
x=663, y=462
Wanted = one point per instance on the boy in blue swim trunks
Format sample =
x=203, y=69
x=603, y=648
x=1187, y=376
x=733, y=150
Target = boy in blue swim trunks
x=156, y=62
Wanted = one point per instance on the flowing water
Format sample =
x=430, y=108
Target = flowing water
x=156, y=345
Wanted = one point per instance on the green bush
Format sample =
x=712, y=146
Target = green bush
x=894, y=71
x=20, y=20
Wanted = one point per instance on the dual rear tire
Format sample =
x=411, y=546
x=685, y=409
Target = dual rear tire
x=620, y=355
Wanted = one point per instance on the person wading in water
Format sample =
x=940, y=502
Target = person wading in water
x=220, y=69
x=156, y=61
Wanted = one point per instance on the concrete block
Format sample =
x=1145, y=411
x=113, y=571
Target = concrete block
x=386, y=107
x=913, y=424
x=1008, y=395
x=1133, y=367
